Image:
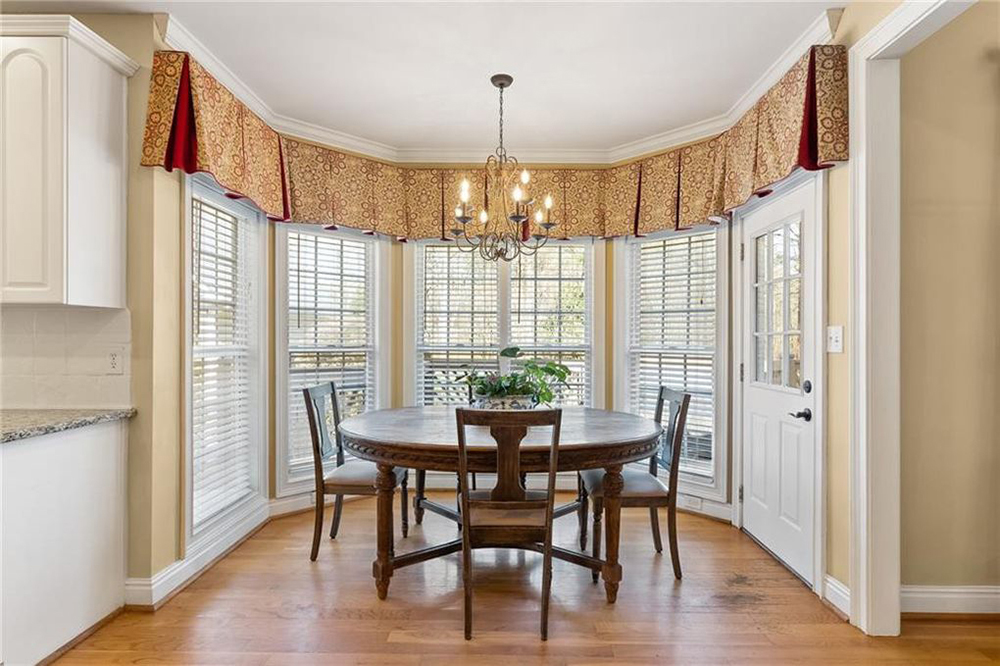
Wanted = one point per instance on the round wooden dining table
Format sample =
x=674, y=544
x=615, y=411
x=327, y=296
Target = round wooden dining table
x=425, y=438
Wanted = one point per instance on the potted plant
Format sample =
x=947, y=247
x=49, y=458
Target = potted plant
x=533, y=382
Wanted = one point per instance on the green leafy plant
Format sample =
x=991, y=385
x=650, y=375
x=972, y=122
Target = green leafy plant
x=533, y=377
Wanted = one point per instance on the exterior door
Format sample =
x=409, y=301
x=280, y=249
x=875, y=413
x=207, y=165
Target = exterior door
x=779, y=405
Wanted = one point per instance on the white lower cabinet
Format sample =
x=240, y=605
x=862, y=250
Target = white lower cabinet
x=63, y=537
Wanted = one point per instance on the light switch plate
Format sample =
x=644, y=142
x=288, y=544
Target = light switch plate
x=834, y=339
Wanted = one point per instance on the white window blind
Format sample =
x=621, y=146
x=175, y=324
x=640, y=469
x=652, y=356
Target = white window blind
x=468, y=309
x=330, y=326
x=550, y=313
x=224, y=353
x=672, y=334
x=457, y=321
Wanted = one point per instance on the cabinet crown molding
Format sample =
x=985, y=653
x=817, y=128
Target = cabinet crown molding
x=64, y=25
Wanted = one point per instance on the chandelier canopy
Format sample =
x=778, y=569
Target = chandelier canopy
x=502, y=226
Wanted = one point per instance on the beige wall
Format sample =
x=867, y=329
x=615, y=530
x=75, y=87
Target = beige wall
x=154, y=300
x=857, y=20
x=950, y=138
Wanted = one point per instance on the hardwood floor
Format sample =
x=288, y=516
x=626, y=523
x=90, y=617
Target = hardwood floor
x=266, y=604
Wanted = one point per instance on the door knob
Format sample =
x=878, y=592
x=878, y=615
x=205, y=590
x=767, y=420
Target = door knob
x=806, y=414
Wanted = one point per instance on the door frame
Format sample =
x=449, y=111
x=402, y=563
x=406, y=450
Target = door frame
x=875, y=306
x=796, y=180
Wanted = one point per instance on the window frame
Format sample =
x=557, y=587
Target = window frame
x=699, y=487
x=596, y=297
x=199, y=538
x=293, y=480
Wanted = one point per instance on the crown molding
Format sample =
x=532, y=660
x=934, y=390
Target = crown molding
x=64, y=25
x=818, y=32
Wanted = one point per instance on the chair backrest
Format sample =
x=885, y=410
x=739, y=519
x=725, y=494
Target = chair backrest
x=508, y=428
x=318, y=398
x=675, y=404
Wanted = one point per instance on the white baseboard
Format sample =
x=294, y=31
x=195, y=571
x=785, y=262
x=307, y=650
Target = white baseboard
x=945, y=599
x=223, y=536
x=837, y=594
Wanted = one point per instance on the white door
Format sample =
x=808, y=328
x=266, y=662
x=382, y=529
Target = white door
x=779, y=406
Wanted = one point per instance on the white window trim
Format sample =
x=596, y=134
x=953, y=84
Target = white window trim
x=598, y=308
x=716, y=490
x=246, y=514
x=382, y=302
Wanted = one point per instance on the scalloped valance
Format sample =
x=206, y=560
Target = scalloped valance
x=196, y=124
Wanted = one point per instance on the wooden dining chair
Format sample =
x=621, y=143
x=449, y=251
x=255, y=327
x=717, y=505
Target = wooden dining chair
x=508, y=515
x=644, y=488
x=348, y=477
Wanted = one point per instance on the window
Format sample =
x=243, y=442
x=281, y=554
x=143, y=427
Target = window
x=673, y=320
x=227, y=393
x=467, y=309
x=325, y=302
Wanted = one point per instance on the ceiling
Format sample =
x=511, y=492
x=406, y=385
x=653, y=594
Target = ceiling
x=414, y=77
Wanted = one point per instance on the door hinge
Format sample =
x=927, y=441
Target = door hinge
x=742, y=251
x=741, y=494
x=741, y=372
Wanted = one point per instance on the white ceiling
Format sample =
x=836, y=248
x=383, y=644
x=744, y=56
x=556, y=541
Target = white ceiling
x=415, y=76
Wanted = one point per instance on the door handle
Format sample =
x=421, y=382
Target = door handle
x=806, y=414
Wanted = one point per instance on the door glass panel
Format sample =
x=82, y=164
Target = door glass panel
x=778, y=253
x=777, y=294
x=794, y=304
x=776, y=357
x=794, y=361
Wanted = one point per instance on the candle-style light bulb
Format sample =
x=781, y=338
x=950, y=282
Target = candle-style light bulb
x=464, y=185
x=518, y=194
x=548, y=201
x=464, y=196
x=484, y=216
x=458, y=211
x=525, y=177
x=538, y=216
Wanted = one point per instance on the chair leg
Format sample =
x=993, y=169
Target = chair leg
x=596, y=550
x=404, y=505
x=546, y=589
x=338, y=509
x=418, y=510
x=654, y=521
x=317, y=527
x=675, y=555
x=467, y=584
x=582, y=512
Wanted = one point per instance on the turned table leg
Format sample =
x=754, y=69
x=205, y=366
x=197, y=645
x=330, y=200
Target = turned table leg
x=612, y=571
x=385, y=485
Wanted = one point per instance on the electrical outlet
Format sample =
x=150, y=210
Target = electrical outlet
x=834, y=339
x=115, y=362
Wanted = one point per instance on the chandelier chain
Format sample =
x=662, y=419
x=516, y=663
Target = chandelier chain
x=501, y=152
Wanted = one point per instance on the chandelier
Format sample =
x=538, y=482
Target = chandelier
x=501, y=228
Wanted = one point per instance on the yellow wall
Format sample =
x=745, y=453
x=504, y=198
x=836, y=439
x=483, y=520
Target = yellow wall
x=950, y=301
x=155, y=302
x=857, y=20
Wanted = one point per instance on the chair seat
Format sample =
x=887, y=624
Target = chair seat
x=480, y=516
x=357, y=474
x=638, y=483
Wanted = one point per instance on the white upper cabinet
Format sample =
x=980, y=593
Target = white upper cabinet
x=63, y=163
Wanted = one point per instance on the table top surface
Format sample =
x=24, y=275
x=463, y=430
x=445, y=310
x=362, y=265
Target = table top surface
x=434, y=427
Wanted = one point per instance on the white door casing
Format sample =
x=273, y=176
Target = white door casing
x=778, y=345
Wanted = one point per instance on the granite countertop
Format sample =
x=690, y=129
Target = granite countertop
x=18, y=424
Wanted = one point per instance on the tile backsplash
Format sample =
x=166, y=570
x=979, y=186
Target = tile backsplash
x=62, y=356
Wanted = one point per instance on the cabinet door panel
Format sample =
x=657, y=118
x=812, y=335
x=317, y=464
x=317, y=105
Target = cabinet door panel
x=32, y=145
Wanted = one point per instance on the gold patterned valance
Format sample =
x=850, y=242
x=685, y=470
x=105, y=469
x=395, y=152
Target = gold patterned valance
x=196, y=124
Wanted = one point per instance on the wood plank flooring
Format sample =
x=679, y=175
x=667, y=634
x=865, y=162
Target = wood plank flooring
x=266, y=604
